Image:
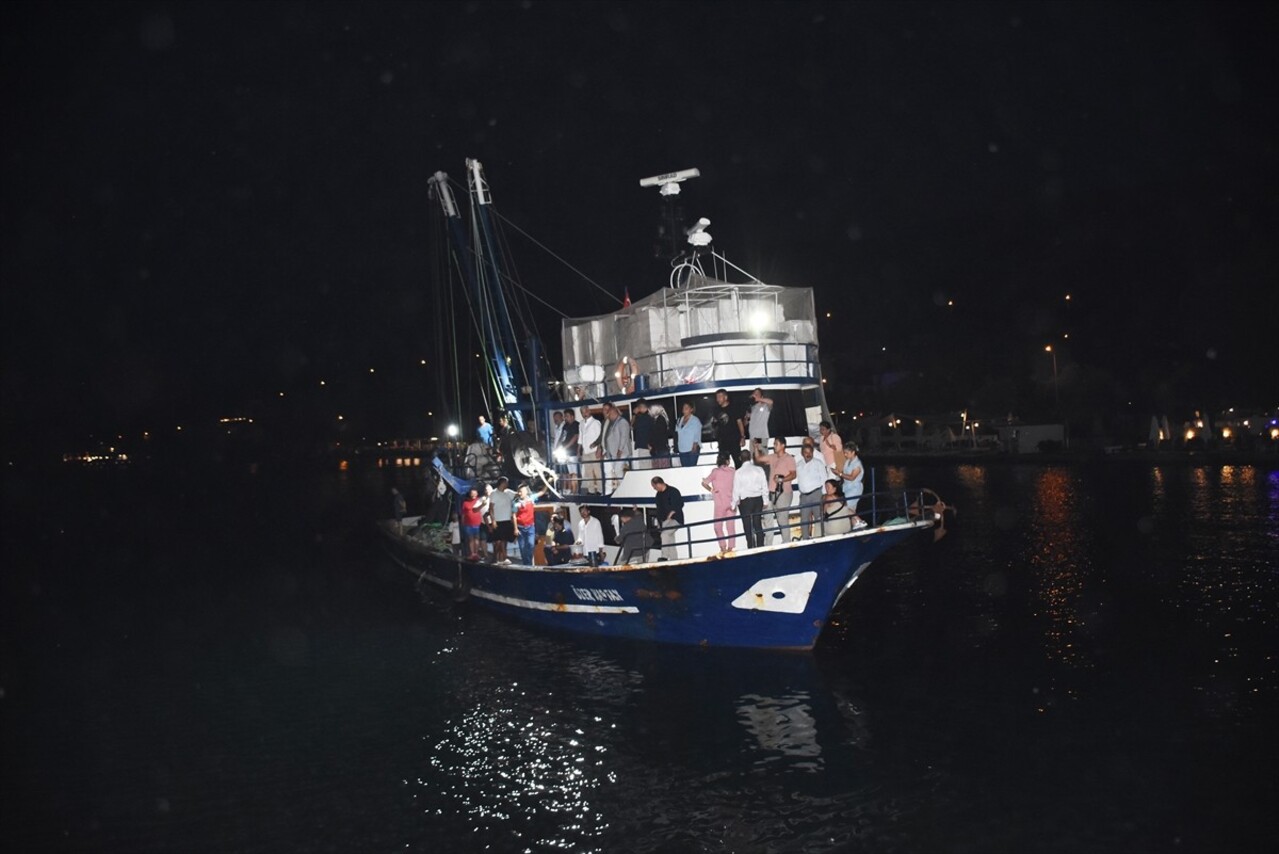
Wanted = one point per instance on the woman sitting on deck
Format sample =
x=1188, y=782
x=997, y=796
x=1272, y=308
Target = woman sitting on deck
x=838, y=519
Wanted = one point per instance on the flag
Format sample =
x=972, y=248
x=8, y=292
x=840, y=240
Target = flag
x=626, y=298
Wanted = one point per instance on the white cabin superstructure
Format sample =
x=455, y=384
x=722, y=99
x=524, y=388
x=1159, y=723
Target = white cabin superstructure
x=681, y=344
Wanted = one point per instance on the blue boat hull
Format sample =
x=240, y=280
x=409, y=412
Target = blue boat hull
x=778, y=597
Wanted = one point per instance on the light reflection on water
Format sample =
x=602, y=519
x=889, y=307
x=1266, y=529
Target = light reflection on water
x=1060, y=560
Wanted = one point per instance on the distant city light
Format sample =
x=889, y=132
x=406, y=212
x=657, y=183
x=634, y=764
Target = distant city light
x=322, y=382
x=1067, y=297
x=1048, y=348
x=423, y=362
x=341, y=418
x=950, y=302
x=371, y=370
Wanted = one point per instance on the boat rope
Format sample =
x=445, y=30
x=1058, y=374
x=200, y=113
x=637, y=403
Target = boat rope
x=551, y=252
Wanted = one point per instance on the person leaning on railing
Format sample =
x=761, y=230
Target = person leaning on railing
x=810, y=475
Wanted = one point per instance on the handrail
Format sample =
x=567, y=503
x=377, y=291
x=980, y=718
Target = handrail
x=899, y=508
x=660, y=368
x=883, y=508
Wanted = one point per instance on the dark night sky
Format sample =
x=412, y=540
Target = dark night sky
x=207, y=203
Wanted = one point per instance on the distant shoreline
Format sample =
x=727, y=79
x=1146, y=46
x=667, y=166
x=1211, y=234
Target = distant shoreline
x=1089, y=455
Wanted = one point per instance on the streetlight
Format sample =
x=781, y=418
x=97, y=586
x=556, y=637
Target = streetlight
x=1048, y=348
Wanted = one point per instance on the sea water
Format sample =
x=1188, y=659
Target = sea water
x=225, y=661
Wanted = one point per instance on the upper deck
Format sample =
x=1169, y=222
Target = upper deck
x=709, y=332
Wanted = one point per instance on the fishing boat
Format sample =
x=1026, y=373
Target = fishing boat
x=712, y=337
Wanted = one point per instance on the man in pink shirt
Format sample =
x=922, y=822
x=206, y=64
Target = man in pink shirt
x=781, y=476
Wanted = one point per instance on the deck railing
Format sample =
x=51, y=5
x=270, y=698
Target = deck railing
x=875, y=509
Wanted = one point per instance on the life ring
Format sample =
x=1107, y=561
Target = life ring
x=627, y=370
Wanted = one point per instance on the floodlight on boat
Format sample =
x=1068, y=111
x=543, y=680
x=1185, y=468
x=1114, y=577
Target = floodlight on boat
x=452, y=431
x=670, y=181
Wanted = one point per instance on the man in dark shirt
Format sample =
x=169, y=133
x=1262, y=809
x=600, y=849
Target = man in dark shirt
x=670, y=515
x=632, y=539
x=727, y=431
x=641, y=433
x=572, y=454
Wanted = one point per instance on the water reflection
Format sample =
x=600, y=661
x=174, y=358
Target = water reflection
x=506, y=764
x=566, y=746
x=1059, y=555
x=784, y=729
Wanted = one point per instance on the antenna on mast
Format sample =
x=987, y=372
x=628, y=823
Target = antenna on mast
x=668, y=233
x=670, y=181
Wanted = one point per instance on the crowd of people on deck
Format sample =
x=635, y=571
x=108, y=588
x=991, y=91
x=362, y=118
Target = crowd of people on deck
x=756, y=481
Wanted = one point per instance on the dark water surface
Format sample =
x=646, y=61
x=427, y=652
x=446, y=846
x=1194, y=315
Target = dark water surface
x=212, y=663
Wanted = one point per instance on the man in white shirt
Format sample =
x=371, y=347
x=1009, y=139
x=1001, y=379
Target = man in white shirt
x=502, y=501
x=756, y=427
x=590, y=535
x=589, y=435
x=810, y=475
x=750, y=488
